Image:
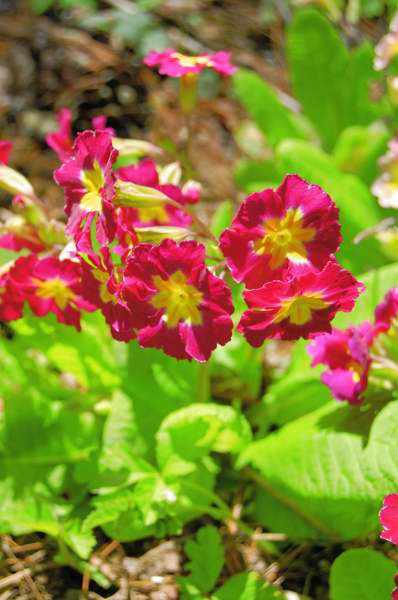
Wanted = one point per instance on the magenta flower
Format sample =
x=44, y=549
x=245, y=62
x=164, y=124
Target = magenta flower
x=172, y=63
x=346, y=354
x=88, y=182
x=11, y=300
x=61, y=141
x=101, y=287
x=298, y=223
x=389, y=519
x=186, y=308
x=301, y=305
x=50, y=285
x=386, y=312
x=5, y=151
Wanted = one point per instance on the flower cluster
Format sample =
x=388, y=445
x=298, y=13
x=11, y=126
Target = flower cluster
x=281, y=245
x=122, y=251
x=349, y=354
x=389, y=521
x=127, y=250
x=134, y=247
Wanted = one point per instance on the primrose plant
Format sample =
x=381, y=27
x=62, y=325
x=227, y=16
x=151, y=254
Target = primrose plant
x=134, y=248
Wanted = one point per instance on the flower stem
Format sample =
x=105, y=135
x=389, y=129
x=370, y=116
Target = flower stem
x=188, y=92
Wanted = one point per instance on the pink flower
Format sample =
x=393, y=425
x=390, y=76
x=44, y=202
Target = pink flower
x=394, y=595
x=61, y=141
x=99, y=124
x=5, y=151
x=346, y=354
x=303, y=304
x=88, y=181
x=298, y=223
x=389, y=519
x=186, y=308
x=50, y=285
x=11, y=301
x=174, y=64
x=101, y=287
x=386, y=312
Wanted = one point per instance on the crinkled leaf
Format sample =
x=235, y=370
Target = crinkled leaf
x=325, y=474
x=193, y=432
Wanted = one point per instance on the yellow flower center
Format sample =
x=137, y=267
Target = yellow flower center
x=191, y=61
x=93, y=180
x=56, y=289
x=356, y=370
x=299, y=308
x=104, y=293
x=284, y=238
x=179, y=299
x=156, y=213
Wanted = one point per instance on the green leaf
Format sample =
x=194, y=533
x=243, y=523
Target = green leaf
x=372, y=8
x=265, y=108
x=318, y=62
x=331, y=83
x=121, y=442
x=246, y=586
x=157, y=385
x=325, y=475
x=358, y=209
x=362, y=110
x=253, y=176
x=358, y=149
x=35, y=510
x=40, y=6
x=88, y=355
x=236, y=370
x=362, y=574
x=222, y=217
x=377, y=284
x=297, y=392
x=72, y=3
x=151, y=503
x=41, y=438
x=206, y=558
x=192, y=432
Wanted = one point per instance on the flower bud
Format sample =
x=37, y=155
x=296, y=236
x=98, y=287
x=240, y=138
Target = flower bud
x=170, y=174
x=131, y=195
x=154, y=235
x=136, y=148
x=13, y=182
